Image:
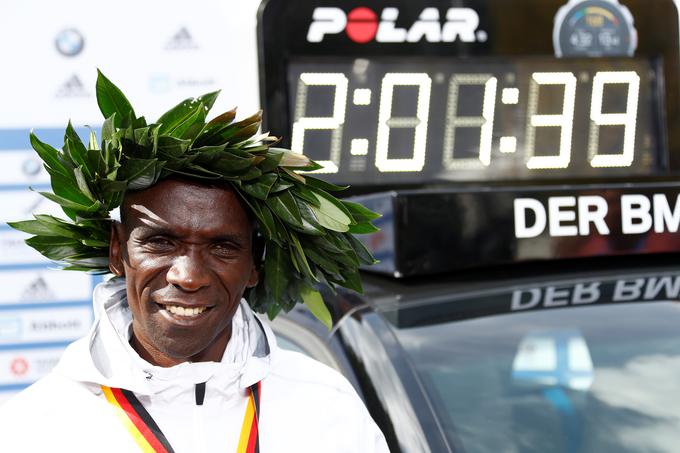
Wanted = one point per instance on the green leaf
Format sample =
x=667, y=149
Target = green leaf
x=261, y=187
x=270, y=162
x=180, y=118
x=327, y=263
x=208, y=100
x=363, y=228
x=310, y=224
x=290, y=174
x=49, y=155
x=139, y=173
x=71, y=134
x=94, y=242
x=108, y=128
x=268, y=222
x=314, y=302
x=66, y=187
x=359, y=212
x=361, y=250
x=323, y=185
x=329, y=215
x=276, y=271
x=76, y=154
x=172, y=146
x=56, y=248
x=352, y=281
x=285, y=207
x=272, y=311
x=306, y=194
x=230, y=163
x=65, y=203
x=93, y=141
x=82, y=184
x=111, y=100
x=299, y=253
x=39, y=228
x=281, y=185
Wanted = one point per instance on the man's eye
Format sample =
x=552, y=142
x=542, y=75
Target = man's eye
x=158, y=243
x=224, y=248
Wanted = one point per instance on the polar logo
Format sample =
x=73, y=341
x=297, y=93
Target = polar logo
x=362, y=25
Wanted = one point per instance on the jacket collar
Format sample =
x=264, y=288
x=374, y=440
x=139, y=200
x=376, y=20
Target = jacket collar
x=106, y=357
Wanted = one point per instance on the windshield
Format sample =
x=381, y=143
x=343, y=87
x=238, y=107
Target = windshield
x=597, y=379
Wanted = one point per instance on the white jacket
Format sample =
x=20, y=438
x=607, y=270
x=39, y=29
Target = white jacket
x=305, y=406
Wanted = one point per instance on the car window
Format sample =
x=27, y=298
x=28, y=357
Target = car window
x=588, y=379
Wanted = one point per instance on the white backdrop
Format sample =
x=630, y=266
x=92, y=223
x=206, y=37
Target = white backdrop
x=159, y=52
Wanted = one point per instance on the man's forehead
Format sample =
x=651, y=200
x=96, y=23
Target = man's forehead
x=178, y=203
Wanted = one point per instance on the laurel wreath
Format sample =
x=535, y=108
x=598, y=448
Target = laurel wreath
x=308, y=232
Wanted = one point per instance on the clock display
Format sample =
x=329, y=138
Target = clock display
x=382, y=120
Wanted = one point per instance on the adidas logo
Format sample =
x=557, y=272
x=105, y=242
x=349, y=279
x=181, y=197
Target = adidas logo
x=181, y=40
x=72, y=88
x=37, y=290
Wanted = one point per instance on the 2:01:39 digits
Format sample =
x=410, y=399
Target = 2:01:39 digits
x=589, y=103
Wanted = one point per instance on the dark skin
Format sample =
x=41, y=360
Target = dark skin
x=186, y=253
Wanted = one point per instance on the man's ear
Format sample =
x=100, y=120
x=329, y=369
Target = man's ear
x=116, y=245
x=254, y=276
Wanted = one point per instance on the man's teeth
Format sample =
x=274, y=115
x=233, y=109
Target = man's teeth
x=182, y=311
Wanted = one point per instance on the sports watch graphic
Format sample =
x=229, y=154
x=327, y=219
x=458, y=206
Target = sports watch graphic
x=594, y=28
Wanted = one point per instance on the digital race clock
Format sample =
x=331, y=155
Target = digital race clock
x=388, y=93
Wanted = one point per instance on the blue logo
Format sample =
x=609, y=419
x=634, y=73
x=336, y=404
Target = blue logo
x=69, y=42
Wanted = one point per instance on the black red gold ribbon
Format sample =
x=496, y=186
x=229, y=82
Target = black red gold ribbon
x=151, y=439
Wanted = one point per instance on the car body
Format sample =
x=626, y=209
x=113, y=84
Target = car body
x=566, y=356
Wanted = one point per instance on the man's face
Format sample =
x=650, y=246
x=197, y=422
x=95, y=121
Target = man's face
x=185, y=252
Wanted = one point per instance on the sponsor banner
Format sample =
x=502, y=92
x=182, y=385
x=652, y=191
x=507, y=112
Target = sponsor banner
x=44, y=286
x=44, y=325
x=443, y=230
x=556, y=294
x=22, y=167
x=15, y=252
x=362, y=25
x=196, y=48
x=26, y=366
x=21, y=204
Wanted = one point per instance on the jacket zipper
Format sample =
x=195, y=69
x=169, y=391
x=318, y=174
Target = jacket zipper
x=199, y=425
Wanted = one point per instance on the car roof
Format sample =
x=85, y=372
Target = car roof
x=482, y=292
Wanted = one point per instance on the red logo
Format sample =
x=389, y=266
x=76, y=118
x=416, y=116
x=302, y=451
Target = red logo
x=18, y=366
x=362, y=25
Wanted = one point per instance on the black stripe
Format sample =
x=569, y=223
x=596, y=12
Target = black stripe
x=255, y=390
x=200, y=393
x=146, y=418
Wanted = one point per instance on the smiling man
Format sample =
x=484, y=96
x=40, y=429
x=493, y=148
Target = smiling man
x=176, y=359
x=186, y=253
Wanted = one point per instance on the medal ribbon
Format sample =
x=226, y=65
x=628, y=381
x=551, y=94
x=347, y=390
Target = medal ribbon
x=151, y=439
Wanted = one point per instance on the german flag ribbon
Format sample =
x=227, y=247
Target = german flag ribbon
x=151, y=439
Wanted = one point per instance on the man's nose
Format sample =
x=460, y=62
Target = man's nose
x=188, y=273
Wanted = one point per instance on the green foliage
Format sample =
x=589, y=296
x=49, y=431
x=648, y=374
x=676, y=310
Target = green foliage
x=308, y=232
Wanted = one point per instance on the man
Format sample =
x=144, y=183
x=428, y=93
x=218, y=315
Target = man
x=176, y=360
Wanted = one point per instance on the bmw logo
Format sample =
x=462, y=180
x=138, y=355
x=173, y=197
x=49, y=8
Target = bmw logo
x=69, y=42
x=31, y=167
